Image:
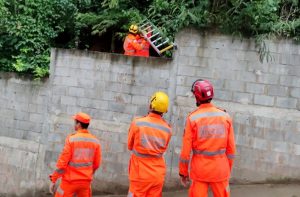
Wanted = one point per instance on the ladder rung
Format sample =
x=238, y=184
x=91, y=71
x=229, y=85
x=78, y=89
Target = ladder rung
x=154, y=35
x=167, y=40
x=167, y=48
x=147, y=23
x=148, y=31
x=157, y=39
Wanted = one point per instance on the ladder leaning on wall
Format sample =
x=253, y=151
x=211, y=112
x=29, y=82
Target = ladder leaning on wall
x=156, y=39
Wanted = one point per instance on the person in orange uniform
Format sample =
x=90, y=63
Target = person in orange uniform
x=80, y=158
x=148, y=139
x=209, y=135
x=144, y=52
x=131, y=44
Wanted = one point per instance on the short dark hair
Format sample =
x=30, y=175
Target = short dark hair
x=203, y=102
x=83, y=125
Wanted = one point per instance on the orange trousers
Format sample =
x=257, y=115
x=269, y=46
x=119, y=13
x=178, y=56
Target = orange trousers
x=66, y=189
x=200, y=189
x=145, y=189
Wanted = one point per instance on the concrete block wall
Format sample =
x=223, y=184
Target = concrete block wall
x=263, y=100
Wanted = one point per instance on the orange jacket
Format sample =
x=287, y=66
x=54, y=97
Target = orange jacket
x=148, y=139
x=144, y=52
x=209, y=135
x=79, y=159
x=131, y=44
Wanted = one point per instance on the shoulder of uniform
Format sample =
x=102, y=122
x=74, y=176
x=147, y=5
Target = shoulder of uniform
x=138, y=118
x=166, y=122
x=219, y=108
x=192, y=112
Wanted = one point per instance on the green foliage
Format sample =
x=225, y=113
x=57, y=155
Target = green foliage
x=29, y=28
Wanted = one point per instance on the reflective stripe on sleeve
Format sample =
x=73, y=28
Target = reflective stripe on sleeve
x=209, y=153
x=184, y=161
x=60, y=191
x=153, y=125
x=60, y=171
x=231, y=156
x=146, y=155
x=77, y=165
x=208, y=114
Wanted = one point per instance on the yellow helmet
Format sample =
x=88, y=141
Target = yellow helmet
x=133, y=29
x=159, y=102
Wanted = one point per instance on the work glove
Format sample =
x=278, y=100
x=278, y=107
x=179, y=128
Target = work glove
x=51, y=188
x=185, y=181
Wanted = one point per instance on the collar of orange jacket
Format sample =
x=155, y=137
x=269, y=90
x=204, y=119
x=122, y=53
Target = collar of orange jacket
x=151, y=114
x=206, y=105
x=83, y=131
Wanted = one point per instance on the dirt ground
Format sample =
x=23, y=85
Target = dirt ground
x=261, y=190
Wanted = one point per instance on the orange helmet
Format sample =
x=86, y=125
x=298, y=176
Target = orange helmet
x=82, y=117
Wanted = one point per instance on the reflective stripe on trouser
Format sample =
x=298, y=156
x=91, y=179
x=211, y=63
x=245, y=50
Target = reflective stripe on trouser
x=200, y=189
x=209, y=153
x=145, y=189
x=66, y=189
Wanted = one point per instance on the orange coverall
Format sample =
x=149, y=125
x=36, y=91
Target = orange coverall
x=77, y=163
x=209, y=135
x=144, y=52
x=148, y=139
x=131, y=44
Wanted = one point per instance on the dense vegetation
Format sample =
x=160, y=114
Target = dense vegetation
x=28, y=28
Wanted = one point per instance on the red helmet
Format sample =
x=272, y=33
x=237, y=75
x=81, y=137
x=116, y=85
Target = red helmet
x=203, y=90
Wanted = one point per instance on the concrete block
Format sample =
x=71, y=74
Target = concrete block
x=118, y=87
x=198, y=62
x=279, y=69
x=295, y=92
x=140, y=100
x=264, y=122
x=76, y=92
x=62, y=71
x=292, y=81
x=66, y=81
x=59, y=90
x=244, y=98
x=223, y=95
x=21, y=115
x=224, y=74
x=245, y=76
x=85, y=83
x=187, y=70
x=84, y=102
x=68, y=100
x=36, y=118
x=296, y=148
x=123, y=77
x=268, y=79
x=284, y=102
x=207, y=52
x=98, y=104
x=276, y=90
x=260, y=144
x=188, y=51
x=245, y=119
x=263, y=100
x=235, y=86
x=274, y=135
x=278, y=146
x=205, y=73
x=255, y=88
x=183, y=91
x=117, y=147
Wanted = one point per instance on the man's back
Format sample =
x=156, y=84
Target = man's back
x=148, y=139
x=211, y=134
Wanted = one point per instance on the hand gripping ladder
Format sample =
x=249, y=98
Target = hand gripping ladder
x=152, y=34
